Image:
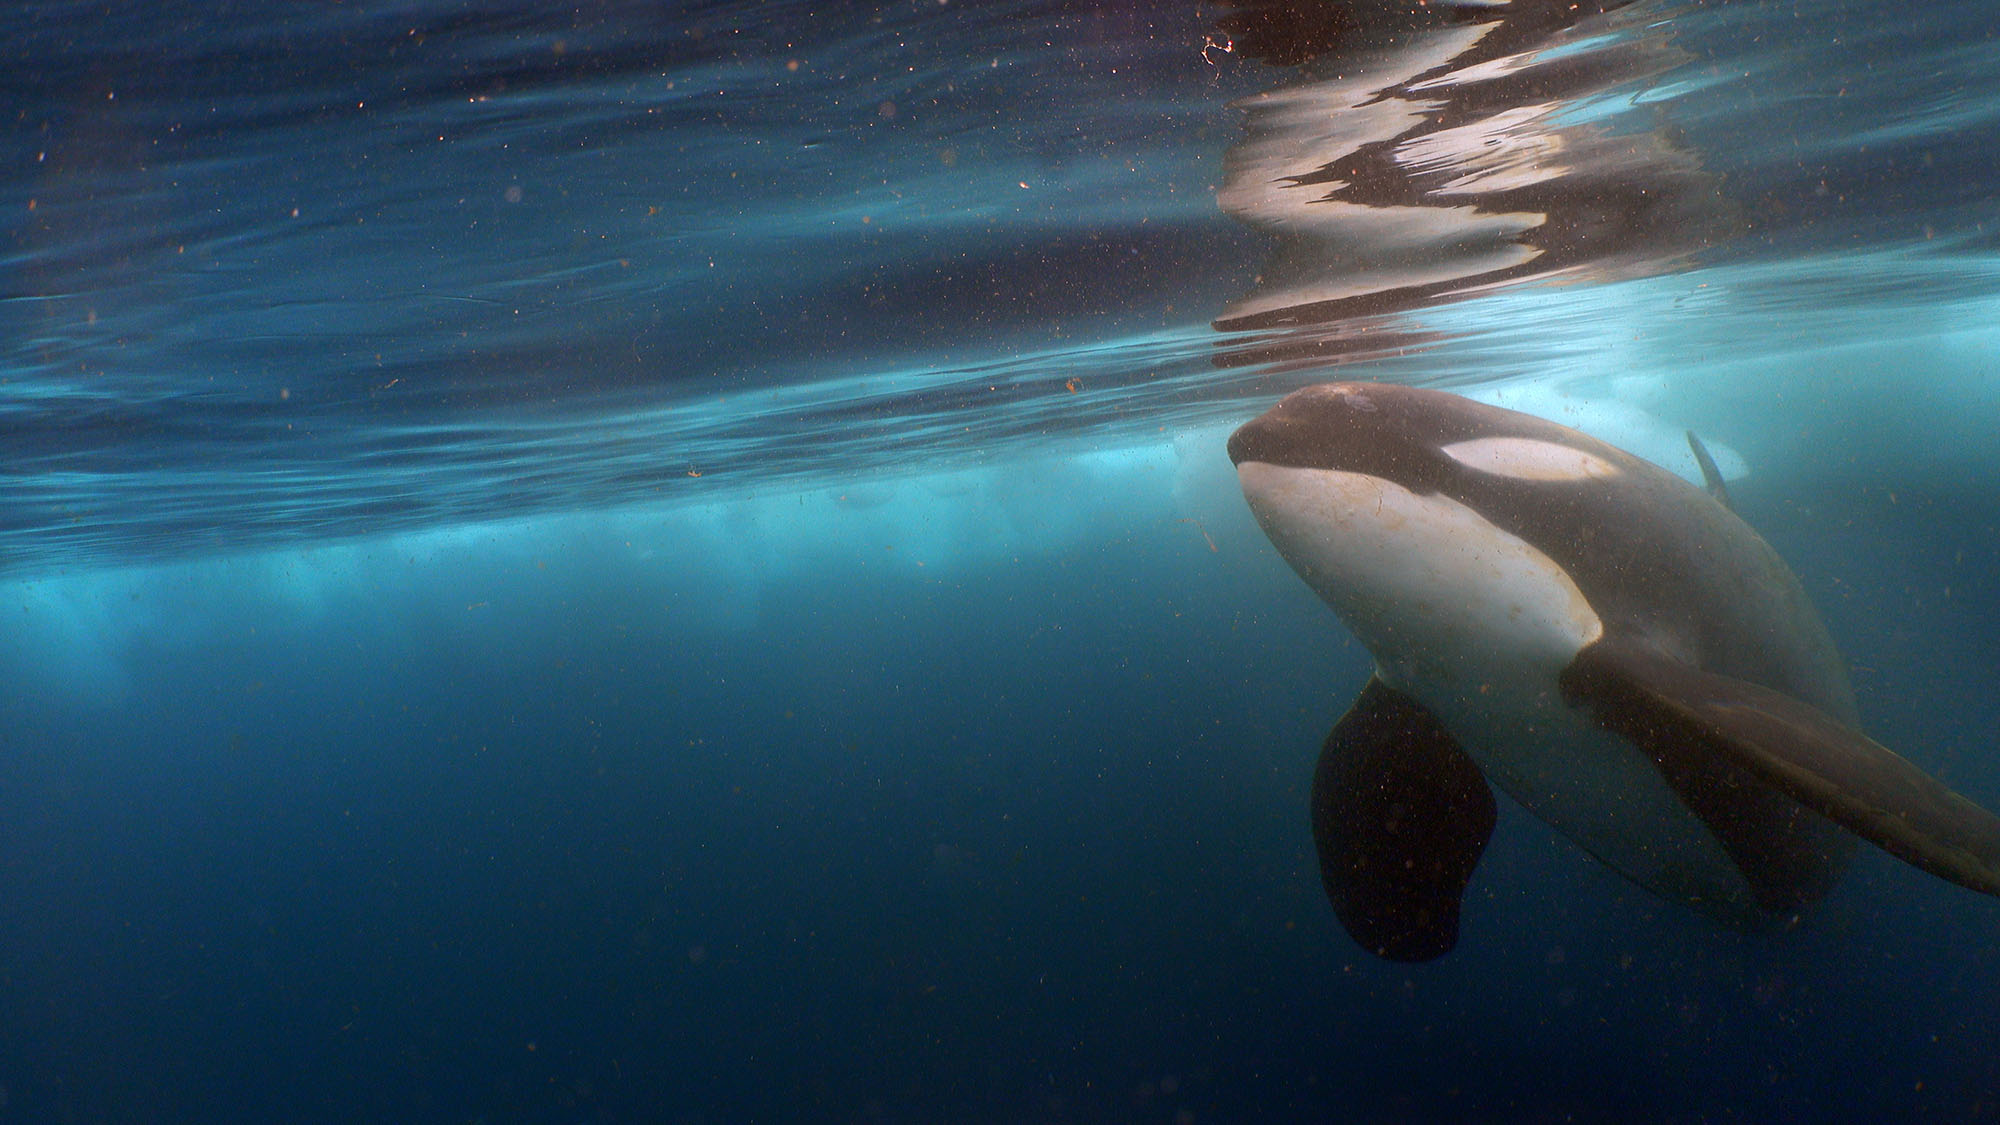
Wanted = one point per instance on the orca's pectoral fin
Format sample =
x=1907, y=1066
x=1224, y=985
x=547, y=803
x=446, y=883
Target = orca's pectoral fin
x=1400, y=815
x=1660, y=703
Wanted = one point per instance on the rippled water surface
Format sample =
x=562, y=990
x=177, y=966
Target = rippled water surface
x=283, y=274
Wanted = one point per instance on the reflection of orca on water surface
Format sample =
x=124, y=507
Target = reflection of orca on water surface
x=1412, y=154
x=1606, y=642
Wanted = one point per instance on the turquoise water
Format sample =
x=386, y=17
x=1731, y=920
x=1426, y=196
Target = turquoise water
x=653, y=563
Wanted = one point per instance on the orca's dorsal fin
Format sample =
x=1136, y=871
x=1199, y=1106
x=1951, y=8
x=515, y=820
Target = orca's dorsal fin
x=1709, y=472
x=1667, y=707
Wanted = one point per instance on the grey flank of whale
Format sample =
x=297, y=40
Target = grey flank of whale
x=1607, y=643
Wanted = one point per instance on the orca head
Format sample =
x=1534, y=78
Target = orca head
x=1391, y=502
x=1424, y=440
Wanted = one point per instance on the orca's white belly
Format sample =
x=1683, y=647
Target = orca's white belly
x=1592, y=786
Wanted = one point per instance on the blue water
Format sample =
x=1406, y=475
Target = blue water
x=649, y=563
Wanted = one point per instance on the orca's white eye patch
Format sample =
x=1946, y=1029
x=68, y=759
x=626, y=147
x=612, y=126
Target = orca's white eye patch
x=1528, y=459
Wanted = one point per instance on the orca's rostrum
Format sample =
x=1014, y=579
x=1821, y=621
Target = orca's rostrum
x=1607, y=643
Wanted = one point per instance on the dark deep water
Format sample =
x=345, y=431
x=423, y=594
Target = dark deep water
x=675, y=563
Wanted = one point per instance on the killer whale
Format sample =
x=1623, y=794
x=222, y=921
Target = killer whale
x=1607, y=643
